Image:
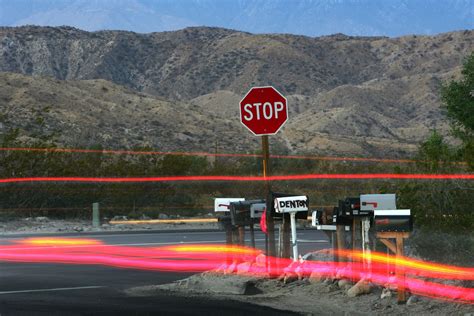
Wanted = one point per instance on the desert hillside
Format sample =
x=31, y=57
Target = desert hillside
x=370, y=96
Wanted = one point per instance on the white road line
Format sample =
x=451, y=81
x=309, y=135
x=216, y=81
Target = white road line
x=52, y=290
x=313, y=241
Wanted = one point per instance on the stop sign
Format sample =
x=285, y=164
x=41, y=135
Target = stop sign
x=263, y=110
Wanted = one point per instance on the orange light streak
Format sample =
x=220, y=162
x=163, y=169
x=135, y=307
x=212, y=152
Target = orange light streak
x=47, y=241
x=412, y=265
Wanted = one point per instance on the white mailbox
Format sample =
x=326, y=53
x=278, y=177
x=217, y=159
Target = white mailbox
x=256, y=210
x=223, y=204
x=371, y=202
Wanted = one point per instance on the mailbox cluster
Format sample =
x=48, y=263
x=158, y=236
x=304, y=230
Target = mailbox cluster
x=235, y=214
x=368, y=212
x=379, y=208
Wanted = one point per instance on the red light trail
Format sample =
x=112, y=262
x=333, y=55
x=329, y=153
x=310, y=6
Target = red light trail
x=200, y=258
x=353, y=176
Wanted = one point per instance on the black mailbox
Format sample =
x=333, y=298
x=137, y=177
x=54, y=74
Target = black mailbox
x=393, y=221
x=349, y=207
x=338, y=218
x=240, y=212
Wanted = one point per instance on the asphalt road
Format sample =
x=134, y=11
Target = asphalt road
x=64, y=289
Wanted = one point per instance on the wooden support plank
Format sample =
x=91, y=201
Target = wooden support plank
x=389, y=244
x=401, y=295
x=340, y=240
x=242, y=235
x=354, y=228
x=388, y=235
x=252, y=235
x=229, y=242
x=396, y=248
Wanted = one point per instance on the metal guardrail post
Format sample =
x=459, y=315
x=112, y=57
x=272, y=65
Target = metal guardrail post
x=95, y=215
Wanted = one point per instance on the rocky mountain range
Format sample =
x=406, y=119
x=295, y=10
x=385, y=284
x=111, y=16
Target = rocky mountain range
x=303, y=17
x=367, y=96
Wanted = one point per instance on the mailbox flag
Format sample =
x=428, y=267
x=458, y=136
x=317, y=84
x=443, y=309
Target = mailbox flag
x=263, y=221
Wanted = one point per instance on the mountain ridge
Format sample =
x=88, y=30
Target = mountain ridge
x=373, y=96
x=305, y=17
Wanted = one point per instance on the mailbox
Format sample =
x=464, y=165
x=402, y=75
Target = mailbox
x=348, y=208
x=365, y=205
x=241, y=212
x=371, y=202
x=223, y=204
x=327, y=220
x=257, y=209
x=317, y=218
x=393, y=221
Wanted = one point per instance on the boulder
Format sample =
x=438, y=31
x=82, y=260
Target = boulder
x=261, y=260
x=321, y=255
x=316, y=277
x=412, y=300
x=231, y=268
x=290, y=277
x=386, y=293
x=221, y=284
x=343, y=282
x=244, y=268
x=361, y=287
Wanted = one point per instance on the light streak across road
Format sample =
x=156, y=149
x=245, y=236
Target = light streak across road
x=418, y=277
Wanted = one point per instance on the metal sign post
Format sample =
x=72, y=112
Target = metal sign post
x=294, y=240
x=366, y=244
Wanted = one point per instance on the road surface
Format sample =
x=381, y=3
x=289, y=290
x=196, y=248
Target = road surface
x=60, y=289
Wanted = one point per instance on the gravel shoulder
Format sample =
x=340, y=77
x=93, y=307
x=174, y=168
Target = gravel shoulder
x=44, y=225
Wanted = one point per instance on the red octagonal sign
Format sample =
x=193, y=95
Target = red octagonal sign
x=263, y=110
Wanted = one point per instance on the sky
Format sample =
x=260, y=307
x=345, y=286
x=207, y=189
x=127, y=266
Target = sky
x=304, y=17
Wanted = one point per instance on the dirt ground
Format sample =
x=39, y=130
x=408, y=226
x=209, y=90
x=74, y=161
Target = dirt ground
x=303, y=296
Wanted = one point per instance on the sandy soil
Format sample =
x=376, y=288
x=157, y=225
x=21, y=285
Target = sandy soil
x=303, y=296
